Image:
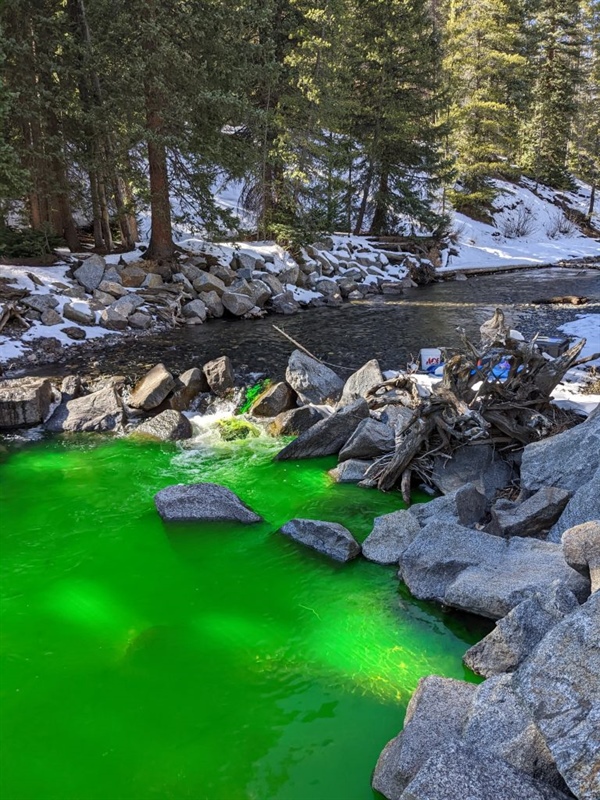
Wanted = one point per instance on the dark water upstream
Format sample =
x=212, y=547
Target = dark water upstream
x=388, y=328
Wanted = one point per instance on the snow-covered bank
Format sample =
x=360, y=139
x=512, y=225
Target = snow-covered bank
x=529, y=228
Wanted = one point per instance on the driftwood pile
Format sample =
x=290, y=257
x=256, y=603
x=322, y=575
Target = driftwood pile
x=472, y=403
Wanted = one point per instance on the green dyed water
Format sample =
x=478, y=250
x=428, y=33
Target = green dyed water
x=149, y=662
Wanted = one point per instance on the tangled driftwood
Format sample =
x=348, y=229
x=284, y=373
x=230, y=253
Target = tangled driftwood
x=472, y=403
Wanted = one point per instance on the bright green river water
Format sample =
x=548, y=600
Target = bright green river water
x=144, y=661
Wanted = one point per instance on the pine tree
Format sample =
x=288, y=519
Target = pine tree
x=487, y=71
x=389, y=103
x=558, y=69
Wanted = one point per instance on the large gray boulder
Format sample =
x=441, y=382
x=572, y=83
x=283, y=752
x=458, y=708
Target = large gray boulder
x=202, y=502
x=534, y=517
x=559, y=685
x=369, y=440
x=328, y=436
x=568, y=460
x=329, y=538
x=460, y=772
x=361, y=382
x=581, y=549
x=168, y=426
x=91, y=272
x=583, y=506
x=275, y=400
x=100, y=411
x=24, y=402
x=500, y=725
x=436, y=714
x=479, y=464
x=518, y=633
x=296, y=421
x=219, y=374
x=312, y=381
x=152, y=389
x=481, y=573
x=391, y=535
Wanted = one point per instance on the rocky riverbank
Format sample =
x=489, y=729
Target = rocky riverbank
x=515, y=539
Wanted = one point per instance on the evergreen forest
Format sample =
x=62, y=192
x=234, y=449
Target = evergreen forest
x=333, y=115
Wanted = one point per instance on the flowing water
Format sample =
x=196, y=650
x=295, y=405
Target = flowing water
x=145, y=661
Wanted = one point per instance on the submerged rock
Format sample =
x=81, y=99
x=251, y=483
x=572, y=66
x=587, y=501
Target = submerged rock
x=329, y=538
x=24, y=401
x=202, y=502
x=312, y=381
x=328, y=436
x=351, y=471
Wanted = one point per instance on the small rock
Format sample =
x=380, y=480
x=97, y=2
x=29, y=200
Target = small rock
x=206, y=282
x=296, y=421
x=152, y=281
x=275, y=400
x=202, y=502
x=284, y=303
x=466, y=505
x=73, y=332
x=51, y=317
x=583, y=506
x=140, y=321
x=219, y=374
x=581, y=549
x=369, y=440
x=113, y=287
x=103, y=298
x=133, y=277
x=152, y=389
x=361, y=382
x=533, y=517
x=212, y=301
x=195, y=308
x=168, y=426
x=71, y=387
x=80, y=313
x=113, y=319
x=237, y=304
x=329, y=538
x=40, y=302
x=187, y=387
x=101, y=411
x=24, y=401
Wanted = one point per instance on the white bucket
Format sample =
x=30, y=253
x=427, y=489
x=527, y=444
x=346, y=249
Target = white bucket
x=430, y=356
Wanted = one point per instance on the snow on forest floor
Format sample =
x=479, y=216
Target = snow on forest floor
x=529, y=229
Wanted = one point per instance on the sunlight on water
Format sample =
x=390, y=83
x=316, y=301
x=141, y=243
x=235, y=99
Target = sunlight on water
x=145, y=661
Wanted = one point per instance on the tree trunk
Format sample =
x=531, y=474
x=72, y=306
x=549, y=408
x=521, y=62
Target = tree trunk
x=161, y=238
x=380, y=217
x=592, y=200
x=96, y=223
x=365, y=199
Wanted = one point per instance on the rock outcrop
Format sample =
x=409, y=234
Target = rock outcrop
x=24, y=402
x=328, y=436
x=312, y=381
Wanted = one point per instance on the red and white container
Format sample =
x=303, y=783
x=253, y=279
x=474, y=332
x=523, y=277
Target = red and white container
x=430, y=357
